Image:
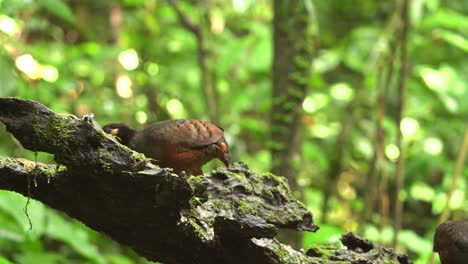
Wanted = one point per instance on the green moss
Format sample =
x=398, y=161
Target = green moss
x=195, y=179
x=48, y=171
x=245, y=208
x=279, y=100
x=280, y=179
x=104, y=157
x=301, y=62
x=281, y=253
x=58, y=131
x=299, y=78
x=51, y=171
x=36, y=122
x=219, y=204
x=280, y=129
x=195, y=201
x=322, y=251
x=245, y=182
x=277, y=145
x=136, y=156
x=289, y=105
x=197, y=182
x=268, y=193
x=296, y=93
x=200, y=230
x=282, y=117
x=5, y=161
x=287, y=255
x=271, y=215
x=239, y=176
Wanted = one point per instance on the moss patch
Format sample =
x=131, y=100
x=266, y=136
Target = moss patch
x=245, y=208
x=58, y=131
x=104, y=157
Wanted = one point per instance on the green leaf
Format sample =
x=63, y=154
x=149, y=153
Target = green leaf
x=230, y=54
x=433, y=78
x=118, y=259
x=414, y=242
x=40, y=257
x=74, y=235
x=60, y=9
x=423, y=192
x=327, y=234
x=316, y=154
x=454, y=39
x=14, y=204
x=10, y=230
x=446, y=18
x=4, y=260
x=7, y=77
x=361, y=43
x=261, y=55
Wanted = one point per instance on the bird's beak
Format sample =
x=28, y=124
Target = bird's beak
x=226, y=159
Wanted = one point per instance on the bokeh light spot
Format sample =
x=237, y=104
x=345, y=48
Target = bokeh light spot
x=129, y=59
x=342, y=91
x=433, y=146
x=123, y=86
x=152, y=68
x=309, y=105
x=409, y=127
x=175, y=108
x=241, y=5
x=392, y=151
x=141, y=117
x=49, y=73
x=29, y=66
x=8, y=25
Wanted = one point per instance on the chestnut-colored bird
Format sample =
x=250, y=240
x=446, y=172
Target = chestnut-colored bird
x=451, y=242
x=184, y=145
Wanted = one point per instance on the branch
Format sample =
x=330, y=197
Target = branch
x=225, y=216
x=209, y=90
x=399, y=175
x=456, y=175
x=186, y=22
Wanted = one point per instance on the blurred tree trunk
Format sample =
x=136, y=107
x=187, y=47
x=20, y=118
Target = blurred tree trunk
x=207, y=84
x=293, y=51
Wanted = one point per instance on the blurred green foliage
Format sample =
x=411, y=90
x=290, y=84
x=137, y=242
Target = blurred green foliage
x=132, y=61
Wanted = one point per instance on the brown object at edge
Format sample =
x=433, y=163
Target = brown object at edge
x=451, y=242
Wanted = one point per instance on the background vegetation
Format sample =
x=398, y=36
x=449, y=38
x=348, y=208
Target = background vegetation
x=134, y=61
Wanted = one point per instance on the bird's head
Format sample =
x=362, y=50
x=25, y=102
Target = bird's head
x=223, y=152
x=123, y=132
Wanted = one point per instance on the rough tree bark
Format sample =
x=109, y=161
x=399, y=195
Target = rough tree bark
x=225, y=216
x=292, y=58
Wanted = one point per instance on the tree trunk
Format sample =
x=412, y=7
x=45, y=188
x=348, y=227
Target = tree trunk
x=293, y=51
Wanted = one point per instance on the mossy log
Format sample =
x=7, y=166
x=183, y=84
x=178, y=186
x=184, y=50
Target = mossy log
x=224, y=216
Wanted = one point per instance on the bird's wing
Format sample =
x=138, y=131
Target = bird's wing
x=452, y=233
x=187, y=133
x=461, y=236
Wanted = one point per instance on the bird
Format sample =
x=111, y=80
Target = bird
x=451, y=242
x=181, y=144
